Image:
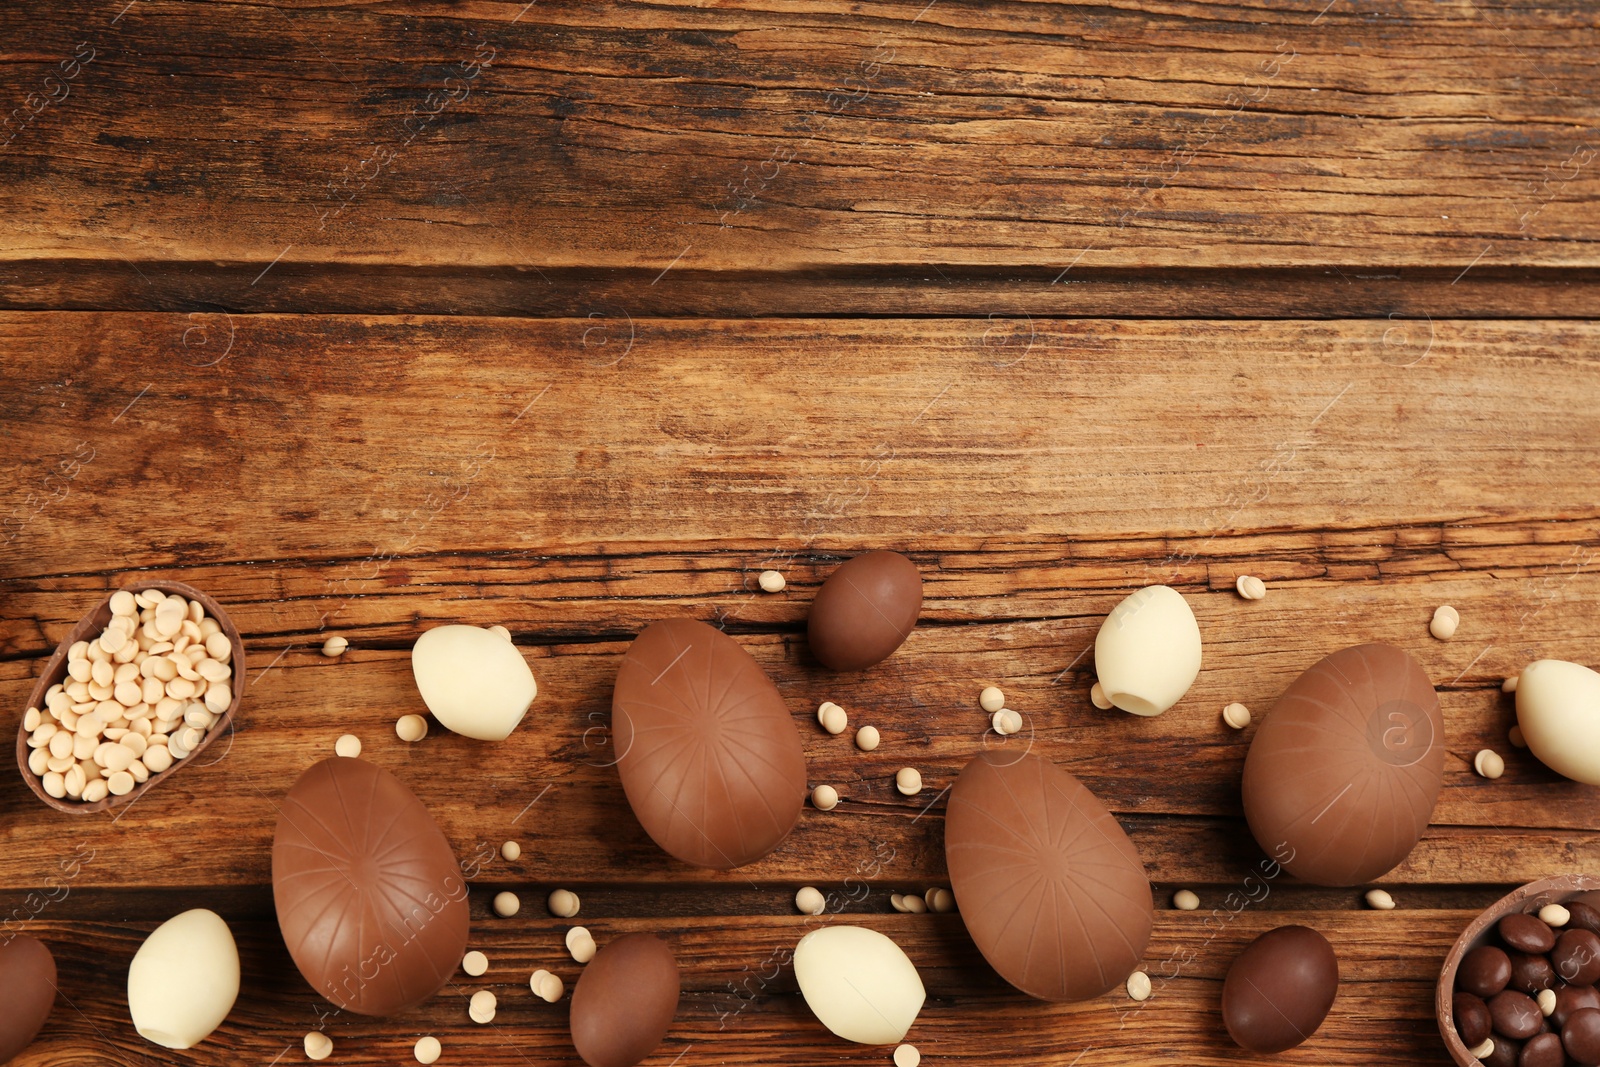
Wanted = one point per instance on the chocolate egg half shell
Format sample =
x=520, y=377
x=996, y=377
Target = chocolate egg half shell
x=625, y=1001
x=865, y=610
x=709, y=755
x=1343, y=774
x=28, y=986
x=1279, y=989
x=1049, y=886
x=369, y=895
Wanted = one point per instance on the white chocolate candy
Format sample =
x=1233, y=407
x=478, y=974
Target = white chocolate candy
x=1147, y=653
x=859, y=984
x=1558, y=708
x=563, y=903
x=475, y=963
x=184, y=980
x=473, y=681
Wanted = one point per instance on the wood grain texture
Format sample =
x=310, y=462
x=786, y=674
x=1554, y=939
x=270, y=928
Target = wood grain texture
x=776, y=136
x=739, y=996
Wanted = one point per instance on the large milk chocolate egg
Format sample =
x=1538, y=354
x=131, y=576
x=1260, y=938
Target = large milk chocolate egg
x=1050, y=888
x=625, y=1001
x=709, y=755
x=865, y=610
x=1343, y=774
x=1280, y=989
x=370, y=897
x=28, y=989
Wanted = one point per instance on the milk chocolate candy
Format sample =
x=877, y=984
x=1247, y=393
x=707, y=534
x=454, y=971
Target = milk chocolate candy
x=1050, y=888
x=369, y=896
x=865, y=610
x=625, y=1001
x=1280, y=989
x=1343, y=774
x=709, y=755
x=28, y=986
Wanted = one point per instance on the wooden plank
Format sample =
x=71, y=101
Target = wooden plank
x=1173, y=778
x=359, y=438
x=741, y=1003
x=760, y=135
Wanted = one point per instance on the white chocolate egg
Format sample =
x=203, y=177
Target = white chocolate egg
x=859, y=984
x=1147, y=653
x=473, y=680
x=184, y=979
x=1558, y=708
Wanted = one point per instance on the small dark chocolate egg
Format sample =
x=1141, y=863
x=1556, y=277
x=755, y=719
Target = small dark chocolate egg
x=865, y=610
x=27, y=989
x=625, y=1001
x=1280, y=989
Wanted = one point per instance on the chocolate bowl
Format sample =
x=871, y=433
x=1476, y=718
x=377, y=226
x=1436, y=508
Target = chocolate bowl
x=1528, y=899
x=55, y=669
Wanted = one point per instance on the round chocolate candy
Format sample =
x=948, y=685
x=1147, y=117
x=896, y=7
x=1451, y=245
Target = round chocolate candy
x=369, y=895
x=1576, y=957
x=1051, y=889
x=1484, y=971
x=1543, y=1050
x=1526, y=933
x=1342, y=776
x=1573, y=998
x=1530, y=973
x=1280, y=989
x=864, y=611
x=1583, y=916
x=1580, y=1035
x=1472, y=1020
x=1515, y=1014
x=708, y=753
x=1505, y=1053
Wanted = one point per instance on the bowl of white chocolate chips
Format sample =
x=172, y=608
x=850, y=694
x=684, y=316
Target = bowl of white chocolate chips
x=135, y=690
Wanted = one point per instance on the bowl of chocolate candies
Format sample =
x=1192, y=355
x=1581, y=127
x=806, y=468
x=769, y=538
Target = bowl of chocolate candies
x=1518, y=988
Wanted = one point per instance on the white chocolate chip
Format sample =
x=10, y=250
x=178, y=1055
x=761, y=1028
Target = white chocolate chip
x=909, y=781
x=120, y=783
x=940, y=900
x=867, y=738
x=991, y=699
x=1554, y=915
x=1547, y=1002
x=1514, y=735
x=897, y=901
x=500, y=631
x=480, y=1009
x=319, y=1046
x=348, y=746
x=1482, y=1051
x=580, y=944
x=1380, y=900
x=511, y=851
x=1489, y=763
x=906, y=1056
x=1509, y=685
x=563, y=903
x=1236, y=715
x=96, y=791
x=411, y=728
x=548, y=986
x=771, y=582
x=1139, y=986
x=1445, y=621
x=506, y=904
x=1185, y=900
x=334, y=646
x=55, y=785
x=1250, y=587
x=475, y=963
x=832, y=717
x=122, y=603
x=911, y=904
x=825, y=798
x=810, y=901
x=427, y=1050
x=1097, y=697
x=1006, y=722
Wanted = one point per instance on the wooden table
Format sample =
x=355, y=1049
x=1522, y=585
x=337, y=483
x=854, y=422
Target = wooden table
x=570, y=317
